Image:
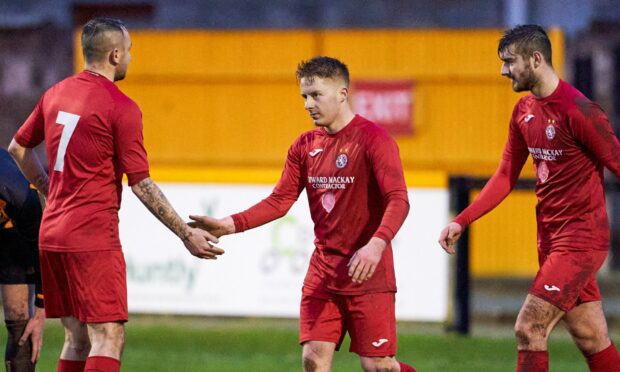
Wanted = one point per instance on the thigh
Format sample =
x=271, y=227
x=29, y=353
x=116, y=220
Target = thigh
x=371, y=322
x=587, y=325
x=568, y=278
x=15, y=301
x=90, y=286
x=320, y=319
x=58, y=303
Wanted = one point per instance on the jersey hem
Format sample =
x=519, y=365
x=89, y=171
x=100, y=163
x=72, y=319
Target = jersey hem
x=78, y=250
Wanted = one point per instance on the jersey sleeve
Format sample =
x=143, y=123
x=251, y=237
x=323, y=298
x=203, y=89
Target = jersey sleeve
x=281, y=199
x=503, y=180
x=388, y=171
x=129, y=142
x=32, y=132
x=592, y=129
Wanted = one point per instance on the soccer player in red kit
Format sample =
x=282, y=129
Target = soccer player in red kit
x=570, y=140
x=93, y=135
x=353, y=176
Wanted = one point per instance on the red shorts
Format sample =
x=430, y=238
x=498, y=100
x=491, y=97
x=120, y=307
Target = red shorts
x=369, y=319
x=568, y=278
x=90, y=286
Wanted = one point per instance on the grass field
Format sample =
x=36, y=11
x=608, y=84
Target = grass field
x=168, y=344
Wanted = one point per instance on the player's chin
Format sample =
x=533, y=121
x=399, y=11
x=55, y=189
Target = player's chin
x=120, y=75
x=517, y=87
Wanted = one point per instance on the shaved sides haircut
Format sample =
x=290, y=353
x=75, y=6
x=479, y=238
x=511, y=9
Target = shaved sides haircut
x=96, y=42
x=527, y=39
x=323, y=67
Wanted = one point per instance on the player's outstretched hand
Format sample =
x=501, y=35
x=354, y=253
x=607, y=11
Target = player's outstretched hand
x=364, y=262
x=198, y=243
x=34, y=332
x=449, y=236
x=217, y=227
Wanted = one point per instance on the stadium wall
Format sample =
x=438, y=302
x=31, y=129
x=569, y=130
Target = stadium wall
x=233, y=94
x=223, y=106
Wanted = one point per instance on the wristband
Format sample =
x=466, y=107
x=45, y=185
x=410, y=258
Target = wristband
x=38, y=300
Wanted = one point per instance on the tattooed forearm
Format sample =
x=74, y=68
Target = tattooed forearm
x=154, y=199
x=41, y=183
x=29, y=163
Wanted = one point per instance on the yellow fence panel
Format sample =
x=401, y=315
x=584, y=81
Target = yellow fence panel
x=503, y=243
x=235, y=92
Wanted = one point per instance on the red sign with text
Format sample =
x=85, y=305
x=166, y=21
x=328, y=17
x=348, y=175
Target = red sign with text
x=387, y=103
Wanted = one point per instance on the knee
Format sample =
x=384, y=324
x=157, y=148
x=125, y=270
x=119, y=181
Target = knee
x=531, y=335
x=378, y=364
x=313, y=359
x=111, y=335
x=77, y=340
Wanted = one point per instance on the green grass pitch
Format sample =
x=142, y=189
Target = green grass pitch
x=186, y=344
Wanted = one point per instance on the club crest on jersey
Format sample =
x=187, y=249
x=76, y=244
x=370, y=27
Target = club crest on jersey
x=550, y=130
x=328, y=201
x=341, y=160
x=542, y=171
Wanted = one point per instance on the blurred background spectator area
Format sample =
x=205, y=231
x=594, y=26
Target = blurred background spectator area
x=215, y=81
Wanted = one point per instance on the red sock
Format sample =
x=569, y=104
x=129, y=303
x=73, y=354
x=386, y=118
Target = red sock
x=405, y=367
x=607, y=360
x=533, y=361
x=65, y=365
x=102, y=364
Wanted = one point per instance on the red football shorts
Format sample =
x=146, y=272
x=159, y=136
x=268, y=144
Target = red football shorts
x=568, y=278
x=369, y=319
x=90, y=286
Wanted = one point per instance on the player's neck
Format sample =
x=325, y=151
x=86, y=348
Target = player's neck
x=341, y=121
x=546, y=85
x=100, y=70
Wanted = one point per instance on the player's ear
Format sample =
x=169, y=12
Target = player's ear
x=343, y=94
x=537, y=58
x=115, y=56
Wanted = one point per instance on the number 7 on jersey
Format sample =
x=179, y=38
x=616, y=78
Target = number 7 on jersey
x=70, y=122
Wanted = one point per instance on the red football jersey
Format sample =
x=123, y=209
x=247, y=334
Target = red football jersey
x=356, y=190
x=93, y=134
x=570, y=140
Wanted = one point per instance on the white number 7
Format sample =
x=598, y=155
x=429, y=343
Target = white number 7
x=70, y=122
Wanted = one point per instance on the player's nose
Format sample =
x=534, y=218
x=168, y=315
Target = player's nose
x=504, y=71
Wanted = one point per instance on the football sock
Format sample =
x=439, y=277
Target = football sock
x=17, y=358
x=533, y=361
x=405, y=367
x=65, y=365
x=102, y=364
x=607, y=360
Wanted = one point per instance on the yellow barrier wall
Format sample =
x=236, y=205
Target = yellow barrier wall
x=230, y=98
x=504, y=241
x=228, y=101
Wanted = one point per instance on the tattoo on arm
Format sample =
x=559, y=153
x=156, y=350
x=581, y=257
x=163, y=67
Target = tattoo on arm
x=154, y=199
x=41, y=182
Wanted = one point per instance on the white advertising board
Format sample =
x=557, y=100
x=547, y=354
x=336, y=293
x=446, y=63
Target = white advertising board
x=262, y=271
